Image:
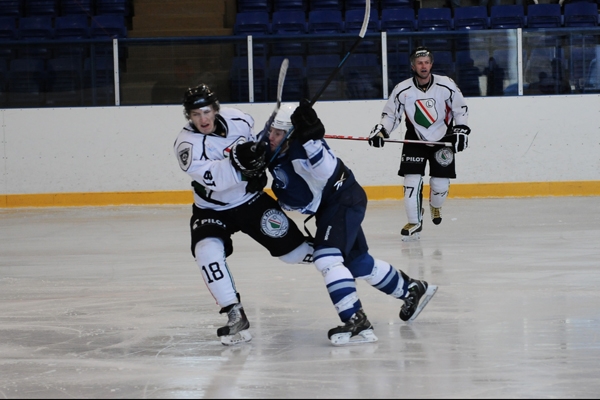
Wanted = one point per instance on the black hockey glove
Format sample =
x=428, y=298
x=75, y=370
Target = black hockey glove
x=307, y=126
x=249, y=158
x=459, y=137
x=256, y=183
x=377, y=135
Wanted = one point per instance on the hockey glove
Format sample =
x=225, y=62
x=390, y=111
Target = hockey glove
x=459, y=138
x=249, y=158
x=377, y=135
x=256, y=183
x=307, y=126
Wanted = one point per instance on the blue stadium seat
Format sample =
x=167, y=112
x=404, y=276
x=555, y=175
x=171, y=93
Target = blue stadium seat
x=362, y=74
x=435, y=20
x=8, y=31
x=547, y=15
x=71, y=28
x=353, y=20
x=70, y=7
x=290, y=5
x=288, y=22
x=254, y=5
x=108, y=26
x=360, y=5
x=318, y=69
x=325, y=5
x=325, y=22
x=26, y=83
x=41, y=7
x=8, y=28
x=295, y=80
x=12, y=8
x=541, y=16
x=507, y=16
x=238, y=79
x=65, y=82
x=35, y=28
x=252, y=23
x=118, y=7
x=472, y=18
x=397, y=20
x=580, y=14
x=393, y=4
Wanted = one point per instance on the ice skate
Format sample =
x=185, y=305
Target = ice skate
x=436, y=214
x=236, y=330
x=419, y=294
x=356, y=330
x=410, y=232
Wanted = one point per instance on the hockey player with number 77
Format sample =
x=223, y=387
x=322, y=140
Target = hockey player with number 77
x=435, y=111
x=309, y=178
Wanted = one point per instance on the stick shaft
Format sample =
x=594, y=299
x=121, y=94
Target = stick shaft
x=447, y=144
x=361, y=34
x=317, y=95
x=280, y=82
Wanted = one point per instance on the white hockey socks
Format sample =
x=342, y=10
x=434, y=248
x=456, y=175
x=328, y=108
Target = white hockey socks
x=210, y=257
x=413, y=198
x=438, y=191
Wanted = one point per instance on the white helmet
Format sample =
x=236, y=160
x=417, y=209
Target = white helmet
x=283, y=119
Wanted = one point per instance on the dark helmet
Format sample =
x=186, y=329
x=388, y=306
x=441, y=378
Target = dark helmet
x=420, y=52
x=198, y=97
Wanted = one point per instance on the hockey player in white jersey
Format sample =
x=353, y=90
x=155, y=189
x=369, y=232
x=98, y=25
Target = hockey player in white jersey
x=435, y=110
x=228, y=198
x=309, y=178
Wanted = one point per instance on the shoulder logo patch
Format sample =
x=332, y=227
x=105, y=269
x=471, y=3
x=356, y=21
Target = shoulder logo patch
x=184, y=155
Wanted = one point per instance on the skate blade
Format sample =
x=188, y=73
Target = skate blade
x=343, y=339
x=240, y=337
x=412, y=238
x=431, y=289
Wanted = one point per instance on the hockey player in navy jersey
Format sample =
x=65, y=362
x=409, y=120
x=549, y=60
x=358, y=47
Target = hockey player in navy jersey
x=435, y=110
x=309, y=178
x=228, y=198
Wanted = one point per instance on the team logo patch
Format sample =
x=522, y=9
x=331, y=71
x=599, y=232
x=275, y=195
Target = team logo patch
x=425, y=112
x=184, y=155
x=274, y=223
x=444, y=156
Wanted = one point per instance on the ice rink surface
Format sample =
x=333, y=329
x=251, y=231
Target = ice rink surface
x=108, y=302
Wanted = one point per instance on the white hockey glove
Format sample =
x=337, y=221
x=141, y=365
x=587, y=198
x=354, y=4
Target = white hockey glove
x=377, y=136
x=459, y=137
x=249, y=158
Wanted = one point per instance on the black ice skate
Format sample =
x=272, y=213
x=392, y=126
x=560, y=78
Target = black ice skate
x=356, y=330
x=410, y=232
x=436, y=214
x=419, y=294
x=236, y=330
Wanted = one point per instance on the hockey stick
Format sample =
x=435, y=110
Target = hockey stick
x=282, y=72
x=317, y=95
x=447, y=144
